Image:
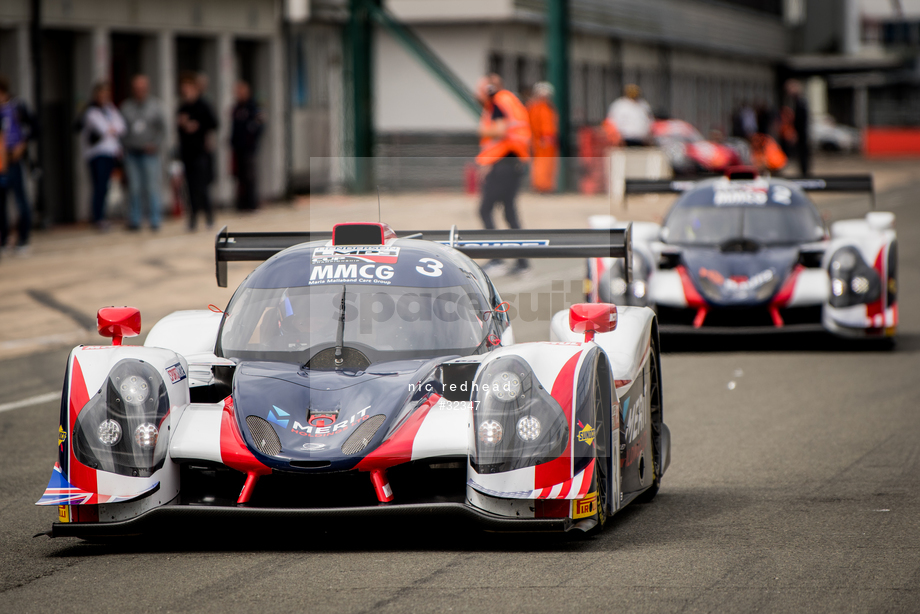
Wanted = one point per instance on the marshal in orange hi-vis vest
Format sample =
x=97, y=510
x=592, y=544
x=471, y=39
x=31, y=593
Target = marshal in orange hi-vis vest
x=544, y=131
x=517, y=136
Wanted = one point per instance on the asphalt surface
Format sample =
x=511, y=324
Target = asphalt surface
x=794, y=486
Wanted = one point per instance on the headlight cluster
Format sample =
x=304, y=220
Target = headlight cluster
x=853, y=281
x=119, y=429
x=518, y=423
x=613, y=288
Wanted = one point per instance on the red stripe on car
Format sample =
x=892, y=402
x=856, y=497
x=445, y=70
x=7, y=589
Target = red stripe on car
x=398, y=448
x=547, y=475
x=81, y=476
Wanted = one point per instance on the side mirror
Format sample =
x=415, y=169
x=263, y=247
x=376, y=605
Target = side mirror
x=118, y=322
x=591, y=318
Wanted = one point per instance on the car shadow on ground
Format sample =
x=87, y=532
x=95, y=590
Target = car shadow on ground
x=804, y=342
x=637, y=525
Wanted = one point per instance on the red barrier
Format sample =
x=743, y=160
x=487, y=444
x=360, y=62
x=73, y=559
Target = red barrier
x=891, y=142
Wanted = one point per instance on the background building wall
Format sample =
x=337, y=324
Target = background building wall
x=84, y=41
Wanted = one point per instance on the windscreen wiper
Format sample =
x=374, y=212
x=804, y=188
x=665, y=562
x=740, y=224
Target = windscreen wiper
x=340, y=334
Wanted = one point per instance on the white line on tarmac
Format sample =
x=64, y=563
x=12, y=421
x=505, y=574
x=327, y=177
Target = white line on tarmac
x=36, y=400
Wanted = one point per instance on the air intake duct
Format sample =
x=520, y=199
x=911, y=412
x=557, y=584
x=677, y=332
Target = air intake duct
x=264, y=435
x=363, y=435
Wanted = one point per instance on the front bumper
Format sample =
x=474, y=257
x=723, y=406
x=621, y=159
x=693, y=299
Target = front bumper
x=740, y=320
x=210, y=519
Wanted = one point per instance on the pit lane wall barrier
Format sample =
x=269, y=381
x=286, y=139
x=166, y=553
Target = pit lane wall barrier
x=634, y=163
x=891, y=142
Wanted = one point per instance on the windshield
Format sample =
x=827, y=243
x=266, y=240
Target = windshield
x=767, y=225
x=383, y=322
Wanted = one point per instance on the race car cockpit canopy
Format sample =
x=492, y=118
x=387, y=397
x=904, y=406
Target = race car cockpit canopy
x=765, y=212
x=407, y=299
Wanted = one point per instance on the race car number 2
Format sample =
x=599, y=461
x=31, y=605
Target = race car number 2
x=432, y=268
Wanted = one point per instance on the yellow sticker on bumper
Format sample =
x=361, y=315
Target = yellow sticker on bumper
x=582, y=508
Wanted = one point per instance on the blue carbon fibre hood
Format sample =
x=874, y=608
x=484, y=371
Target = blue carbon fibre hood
x=736, y=279
x=314, y=412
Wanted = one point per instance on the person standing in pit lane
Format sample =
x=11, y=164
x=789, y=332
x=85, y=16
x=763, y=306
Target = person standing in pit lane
x=195, y=122
x=504, y=131
x=632, y=116
x=103, y=127
x=146, y=128
x=248, y=122
x=800, y=120
x=544, y=127
x=14, y=129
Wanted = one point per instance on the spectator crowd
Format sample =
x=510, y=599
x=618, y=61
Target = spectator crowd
x=129, y=141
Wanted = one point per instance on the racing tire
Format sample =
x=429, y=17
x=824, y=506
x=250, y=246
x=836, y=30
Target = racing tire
x=602, y=459
x=656, y=419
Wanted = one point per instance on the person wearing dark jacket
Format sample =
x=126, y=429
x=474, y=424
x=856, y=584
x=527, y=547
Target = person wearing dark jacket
x=16, y=128
x=800, y=123
x=195, y=122
x=244, y=141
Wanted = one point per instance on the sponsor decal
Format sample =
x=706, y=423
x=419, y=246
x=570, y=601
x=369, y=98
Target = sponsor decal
x=63, y=513
x=369, y=253
x=587, y=433
x=530, y=243
x=278, y=416
x=312, y=447
x=583, y=508
x=737, y=283
x=352, y=272
x=324, y=424
x=62, y=437
x=635, y=419
x=176, y=373
x=736, y=196
x=322, y=418
x=811, y=184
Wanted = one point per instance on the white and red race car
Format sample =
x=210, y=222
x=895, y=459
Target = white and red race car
x=357, y=373
x=749, y=254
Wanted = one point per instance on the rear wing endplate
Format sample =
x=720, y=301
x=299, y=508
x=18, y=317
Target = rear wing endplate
x=530, y=243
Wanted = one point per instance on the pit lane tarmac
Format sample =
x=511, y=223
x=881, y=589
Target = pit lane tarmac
x=794, y=486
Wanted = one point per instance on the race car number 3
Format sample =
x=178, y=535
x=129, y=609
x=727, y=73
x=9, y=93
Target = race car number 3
x=432, y=267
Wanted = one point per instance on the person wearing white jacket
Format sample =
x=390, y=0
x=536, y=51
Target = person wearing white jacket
x=103, y=127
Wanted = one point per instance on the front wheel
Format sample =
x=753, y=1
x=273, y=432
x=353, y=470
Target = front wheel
x=656, y=420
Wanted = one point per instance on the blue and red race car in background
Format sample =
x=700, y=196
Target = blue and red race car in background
x=744, y=253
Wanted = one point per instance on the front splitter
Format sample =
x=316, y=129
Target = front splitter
x=172, y=516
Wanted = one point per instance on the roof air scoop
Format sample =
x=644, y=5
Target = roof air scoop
x=740, y=245
x=362, y=233
x=741, y=172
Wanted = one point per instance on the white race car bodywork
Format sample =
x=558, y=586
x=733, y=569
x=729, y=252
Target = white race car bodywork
x=206, y=431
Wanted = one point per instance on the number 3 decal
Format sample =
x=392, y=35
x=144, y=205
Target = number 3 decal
x=432, y=267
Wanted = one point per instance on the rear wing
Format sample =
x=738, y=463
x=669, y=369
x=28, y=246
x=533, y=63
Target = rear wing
x=530, y=243
x=834, y=183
